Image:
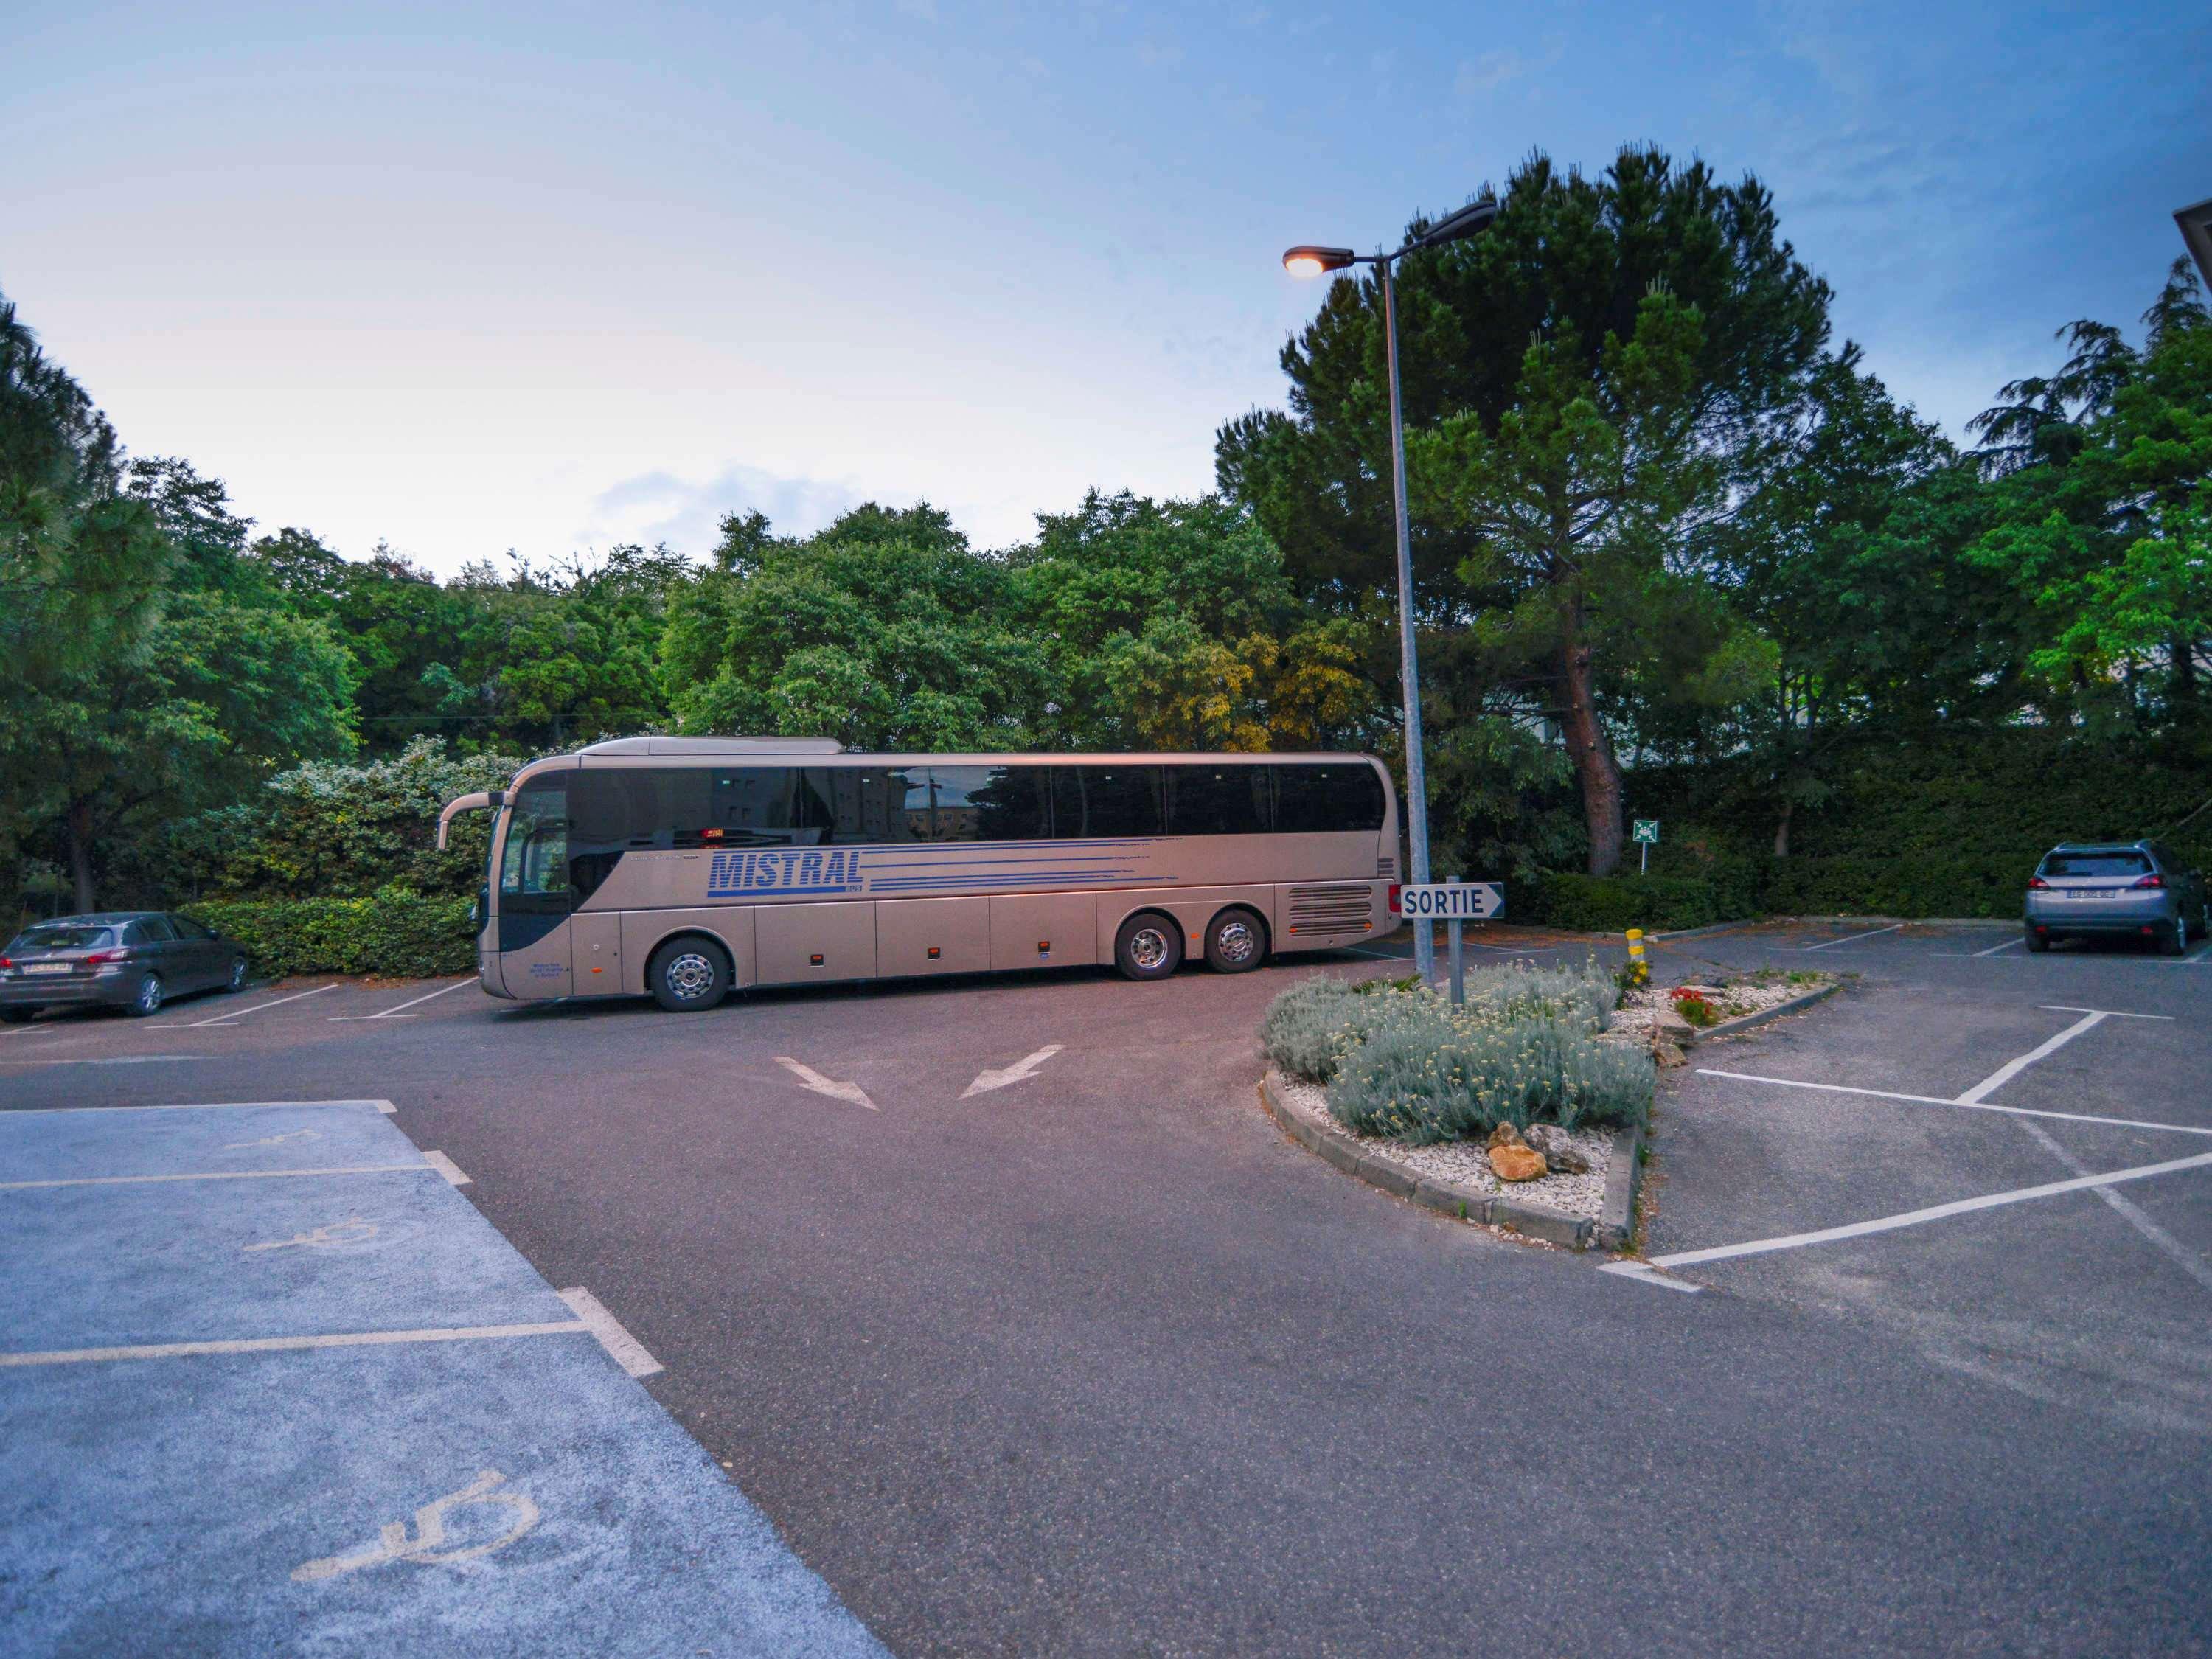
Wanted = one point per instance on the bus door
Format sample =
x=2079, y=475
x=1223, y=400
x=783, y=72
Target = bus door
x=534, y=893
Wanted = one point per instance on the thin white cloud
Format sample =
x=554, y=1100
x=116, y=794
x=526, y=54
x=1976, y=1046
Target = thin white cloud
x=687, y=513
x=1489, y=72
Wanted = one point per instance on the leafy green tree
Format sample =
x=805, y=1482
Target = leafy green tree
x=1592, y=387
x=885, y=631
x=1172, y=625
x=334, y=827
x=2101, y=525
x=149, y=673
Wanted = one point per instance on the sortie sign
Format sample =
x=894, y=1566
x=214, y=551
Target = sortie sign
x=1450, y=901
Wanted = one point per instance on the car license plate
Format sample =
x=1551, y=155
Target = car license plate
x=46, y=967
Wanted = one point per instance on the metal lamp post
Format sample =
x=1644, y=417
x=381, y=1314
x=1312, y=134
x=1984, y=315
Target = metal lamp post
x=1306, y=260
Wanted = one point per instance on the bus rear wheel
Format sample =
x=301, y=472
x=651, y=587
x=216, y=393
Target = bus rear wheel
x=688, y=974
x=1148, y=947
x=1235, y=942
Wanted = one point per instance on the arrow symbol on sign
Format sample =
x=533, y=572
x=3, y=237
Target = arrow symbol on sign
x=1020, y=1072
x=810, y=1078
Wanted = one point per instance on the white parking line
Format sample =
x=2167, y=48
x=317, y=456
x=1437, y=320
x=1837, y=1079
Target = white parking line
x=233, y=1018
x=223, y=1175
x=1934, y=1212
x=30, y=1031
x=1968, y=1105
x=278, y=1344
x=2109, y=1013
x=2129, y=1211
x=2009, y=944
x=446, y=1166
x=1637, y=1273
x=384, y=1106
x=399, y=1012
x=109, y=1060
x=628, y=1352
x=1848, y=937
x=2012, y=1068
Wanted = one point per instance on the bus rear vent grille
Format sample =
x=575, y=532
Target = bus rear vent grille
x=1339, y=907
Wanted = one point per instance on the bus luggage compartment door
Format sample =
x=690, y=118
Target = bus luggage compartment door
x=595, y=937
x=799, y=942
x=932, y=936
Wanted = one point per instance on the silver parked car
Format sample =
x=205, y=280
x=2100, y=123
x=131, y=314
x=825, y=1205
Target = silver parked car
x=2137, y=888
x=134, y=960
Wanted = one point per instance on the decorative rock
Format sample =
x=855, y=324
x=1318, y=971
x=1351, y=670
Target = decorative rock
x=1515, y=1162
x=1668, y=1021
x=1558, y=1151
x=1505, y=1135
x=1666, y=1053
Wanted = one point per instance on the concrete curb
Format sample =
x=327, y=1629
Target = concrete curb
x=1710, y=927
x=1615, y=1227
x=1745, y=1022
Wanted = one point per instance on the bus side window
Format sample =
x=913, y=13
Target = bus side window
x=1227, y=800
x=1315, y=797
x=990, y=803
x=1108, y=800
x=599, y=823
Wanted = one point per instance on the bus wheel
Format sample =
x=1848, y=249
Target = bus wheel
x=688, y=974
x=1149, y=946
x=1235, y=942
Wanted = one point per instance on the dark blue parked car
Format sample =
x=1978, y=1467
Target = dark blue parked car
x=134, y=960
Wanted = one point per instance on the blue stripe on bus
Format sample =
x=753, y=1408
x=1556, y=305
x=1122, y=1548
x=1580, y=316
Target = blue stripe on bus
x=907, y=883
x=971, y=864
x=735, y=892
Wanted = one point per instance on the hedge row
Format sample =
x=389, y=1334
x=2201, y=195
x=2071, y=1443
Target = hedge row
x=394, y=932
x=1738, y=890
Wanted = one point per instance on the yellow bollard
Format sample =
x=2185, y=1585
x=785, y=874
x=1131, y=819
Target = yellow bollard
x=1639, y=971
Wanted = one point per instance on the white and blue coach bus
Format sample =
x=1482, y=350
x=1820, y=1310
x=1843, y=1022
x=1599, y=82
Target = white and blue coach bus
x=679, y=867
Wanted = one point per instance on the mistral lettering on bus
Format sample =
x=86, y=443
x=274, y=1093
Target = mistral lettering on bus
x=827, y=869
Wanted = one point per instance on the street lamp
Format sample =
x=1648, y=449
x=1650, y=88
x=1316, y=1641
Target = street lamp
x=1307, y=260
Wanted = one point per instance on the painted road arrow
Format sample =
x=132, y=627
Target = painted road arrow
x=810, y=1078
x=1020, y=1072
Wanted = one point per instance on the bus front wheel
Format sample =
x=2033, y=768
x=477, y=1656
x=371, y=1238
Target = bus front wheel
x=688, y=974
x=1149, y=946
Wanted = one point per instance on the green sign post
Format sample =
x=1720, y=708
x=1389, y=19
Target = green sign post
x=1645, y=834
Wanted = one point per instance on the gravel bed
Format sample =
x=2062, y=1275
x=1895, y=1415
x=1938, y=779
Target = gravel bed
x=1732, y=999
x=1465, y=1164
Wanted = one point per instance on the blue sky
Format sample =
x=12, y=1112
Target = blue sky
x=469, y=278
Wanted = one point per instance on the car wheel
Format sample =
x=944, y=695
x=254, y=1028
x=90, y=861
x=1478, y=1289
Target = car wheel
x=147, y=998
x=2037, y=942
x=1149, y=946
x=1235, y=942
x=236, y=981
x=687, y=974
x=17, y=1015
x=2176, y=942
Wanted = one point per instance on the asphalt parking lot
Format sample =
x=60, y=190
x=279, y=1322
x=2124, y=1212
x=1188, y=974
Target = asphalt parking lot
x=1002, y=1302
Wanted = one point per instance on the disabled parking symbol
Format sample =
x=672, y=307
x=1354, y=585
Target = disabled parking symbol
x=275, y=1140
x=427, y=1548
x=331, y=1235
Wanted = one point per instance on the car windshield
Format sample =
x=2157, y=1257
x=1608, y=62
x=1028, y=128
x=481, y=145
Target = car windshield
x=2096, y=864
x=62, y=936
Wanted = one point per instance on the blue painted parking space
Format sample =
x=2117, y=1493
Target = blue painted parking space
x=278, y=1257
x=169, y=1141
x=422, y=1447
